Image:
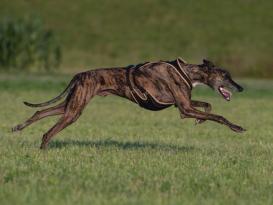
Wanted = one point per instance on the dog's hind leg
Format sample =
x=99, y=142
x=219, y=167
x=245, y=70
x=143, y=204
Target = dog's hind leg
x=75, y=104
x=52, y=111
x=60, y=125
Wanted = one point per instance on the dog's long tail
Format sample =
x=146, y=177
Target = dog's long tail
x=57, y=98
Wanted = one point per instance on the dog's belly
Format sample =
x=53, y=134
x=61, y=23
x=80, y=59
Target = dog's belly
x=151, y=103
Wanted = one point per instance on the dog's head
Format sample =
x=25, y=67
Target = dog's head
x=220, y=80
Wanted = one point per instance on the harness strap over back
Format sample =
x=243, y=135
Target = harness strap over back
x=142, y=97
x=180, y=70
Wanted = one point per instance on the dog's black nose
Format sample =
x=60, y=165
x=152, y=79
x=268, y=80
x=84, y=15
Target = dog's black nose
x=240, y=89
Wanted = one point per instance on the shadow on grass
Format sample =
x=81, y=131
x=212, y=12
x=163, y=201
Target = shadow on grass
x=121, y=145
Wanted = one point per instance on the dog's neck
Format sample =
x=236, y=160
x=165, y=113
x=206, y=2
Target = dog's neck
x=197, y=74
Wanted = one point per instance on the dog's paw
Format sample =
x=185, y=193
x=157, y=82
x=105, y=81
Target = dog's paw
x=199, y=121
x=16, y=128
x=237, y=128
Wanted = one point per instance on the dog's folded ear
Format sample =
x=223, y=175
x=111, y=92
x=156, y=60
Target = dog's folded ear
x=181, y=60
x=208, y=63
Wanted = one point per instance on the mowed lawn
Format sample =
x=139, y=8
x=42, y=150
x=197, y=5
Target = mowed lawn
x=118, y=153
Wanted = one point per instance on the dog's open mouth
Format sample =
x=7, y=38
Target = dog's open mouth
x=225, y=93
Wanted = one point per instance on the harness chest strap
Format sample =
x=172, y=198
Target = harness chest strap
x=187, y=78
x=182, y=73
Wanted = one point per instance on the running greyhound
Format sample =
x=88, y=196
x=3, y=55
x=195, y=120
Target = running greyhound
x=153, y=85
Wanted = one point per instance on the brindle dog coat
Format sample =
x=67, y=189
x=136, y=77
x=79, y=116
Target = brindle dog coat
x=154, y=86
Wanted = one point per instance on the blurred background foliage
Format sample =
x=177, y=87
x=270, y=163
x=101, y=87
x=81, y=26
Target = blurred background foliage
x=236, y=34
x=25, y=45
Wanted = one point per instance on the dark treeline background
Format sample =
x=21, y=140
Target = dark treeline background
x=236, y=34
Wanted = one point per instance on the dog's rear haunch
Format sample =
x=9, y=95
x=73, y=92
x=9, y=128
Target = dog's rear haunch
x=153, y=86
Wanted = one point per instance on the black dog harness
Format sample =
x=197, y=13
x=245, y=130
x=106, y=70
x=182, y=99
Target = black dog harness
x=141, y=96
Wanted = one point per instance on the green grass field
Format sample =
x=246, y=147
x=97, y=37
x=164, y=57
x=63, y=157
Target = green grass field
x=130, y=155
x=134, y=156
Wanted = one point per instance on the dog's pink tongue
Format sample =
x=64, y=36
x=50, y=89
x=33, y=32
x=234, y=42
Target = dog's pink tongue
x=226, y=94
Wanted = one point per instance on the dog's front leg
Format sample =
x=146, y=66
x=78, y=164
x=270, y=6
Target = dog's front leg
x=183, y=102
x=194, y=113
x=186, y=109
x=205, y=105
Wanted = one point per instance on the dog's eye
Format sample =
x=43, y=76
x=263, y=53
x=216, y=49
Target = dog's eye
x=225, y=75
